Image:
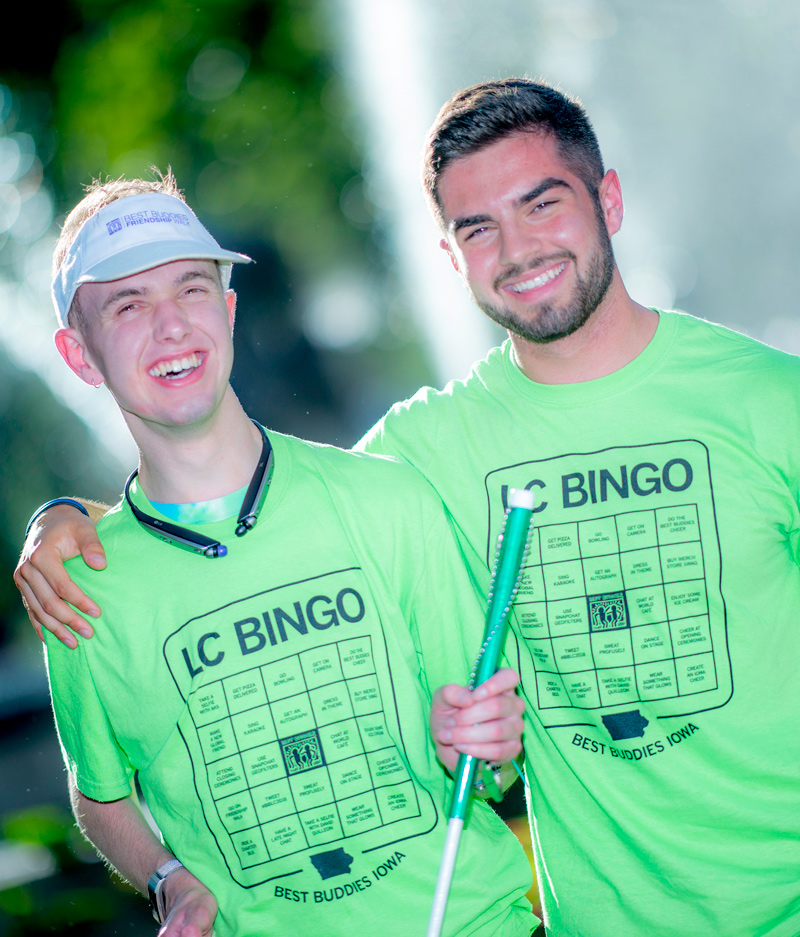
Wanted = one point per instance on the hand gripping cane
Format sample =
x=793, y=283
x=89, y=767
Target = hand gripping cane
x=512, y=547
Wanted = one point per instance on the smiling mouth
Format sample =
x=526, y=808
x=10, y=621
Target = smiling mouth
x=537, y=281
x=178, y=367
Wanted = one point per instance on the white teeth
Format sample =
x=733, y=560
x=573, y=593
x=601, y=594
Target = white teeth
x=538, y=281
x=176, y=366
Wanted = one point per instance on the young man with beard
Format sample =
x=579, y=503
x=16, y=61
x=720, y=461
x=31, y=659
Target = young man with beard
x=275, y=616
x=656, y=628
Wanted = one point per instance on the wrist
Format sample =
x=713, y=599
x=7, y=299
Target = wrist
x=50, y=504
x=156, y=885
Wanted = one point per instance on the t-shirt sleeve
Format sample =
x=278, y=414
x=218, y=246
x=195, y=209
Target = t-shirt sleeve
x=91, y=753
x=401, y=434
x=375, y=441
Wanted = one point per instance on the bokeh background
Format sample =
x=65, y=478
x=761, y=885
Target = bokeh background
x=295, y=128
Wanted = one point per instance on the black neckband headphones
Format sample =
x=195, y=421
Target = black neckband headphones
x=248, y=514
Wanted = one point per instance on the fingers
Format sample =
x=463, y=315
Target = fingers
x=90, y=547
x=486, y=722
x=489, y=711
x=46, y=606
x=505, y=679
x=497, y=720
x=499, y=740
x=200, y=925
x=460, y=697
x=47, y=591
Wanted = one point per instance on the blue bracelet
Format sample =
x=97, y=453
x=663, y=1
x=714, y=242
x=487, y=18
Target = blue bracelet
x=53, y=503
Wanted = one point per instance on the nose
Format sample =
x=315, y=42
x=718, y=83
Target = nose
x=171, y=322
x=517, y=243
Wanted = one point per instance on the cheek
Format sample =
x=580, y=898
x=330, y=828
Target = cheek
x=117, y=356
x=477, y=264
x=562, y=230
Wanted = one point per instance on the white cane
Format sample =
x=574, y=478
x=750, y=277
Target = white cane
x=512, y=547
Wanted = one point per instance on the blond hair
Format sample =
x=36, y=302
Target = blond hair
x=100, y=193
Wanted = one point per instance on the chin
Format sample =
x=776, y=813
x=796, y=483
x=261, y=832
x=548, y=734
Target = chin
x=171, y=419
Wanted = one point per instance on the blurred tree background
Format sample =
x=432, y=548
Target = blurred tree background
x=294, y=127
x=242, y=100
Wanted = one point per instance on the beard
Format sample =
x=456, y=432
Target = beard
x=547, y=322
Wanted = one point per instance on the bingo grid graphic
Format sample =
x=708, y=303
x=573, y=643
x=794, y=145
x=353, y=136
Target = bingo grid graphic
x=622, y=604
x=297, y=754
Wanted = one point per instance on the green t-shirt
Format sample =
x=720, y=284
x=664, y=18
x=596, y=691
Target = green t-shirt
x=657, y=623
x=275, y=704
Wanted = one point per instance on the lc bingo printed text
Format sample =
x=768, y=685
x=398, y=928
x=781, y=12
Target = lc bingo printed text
x=598, y=485
x=320, y=612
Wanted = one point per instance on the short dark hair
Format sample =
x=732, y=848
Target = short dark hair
x=488, y=112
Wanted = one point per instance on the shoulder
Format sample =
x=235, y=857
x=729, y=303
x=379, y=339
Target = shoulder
x=117, y=525
x=125, y=546
x=353, y=472
x=737, y=361
x=723, y=344
x=430, y=412
x=113, y=527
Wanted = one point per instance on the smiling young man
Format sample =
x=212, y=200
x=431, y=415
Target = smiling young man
x=657, y=623
x=656, y=628
x=275, y=617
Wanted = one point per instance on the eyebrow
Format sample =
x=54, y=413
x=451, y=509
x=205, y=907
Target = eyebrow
x=551, y=182
x=143, y=291
x=194, y=275
x=121, y=294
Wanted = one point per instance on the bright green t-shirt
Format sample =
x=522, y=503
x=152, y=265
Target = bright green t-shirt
x=657, y=625
x=275, y=703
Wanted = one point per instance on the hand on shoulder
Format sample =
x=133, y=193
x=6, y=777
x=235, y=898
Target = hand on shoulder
x=48, y=593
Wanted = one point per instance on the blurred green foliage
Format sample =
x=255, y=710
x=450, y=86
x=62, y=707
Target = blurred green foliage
x=239, y=97
x=243, y=100
x=47, y=451
x=82, y=899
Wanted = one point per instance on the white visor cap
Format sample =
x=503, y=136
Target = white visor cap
x=133, y=234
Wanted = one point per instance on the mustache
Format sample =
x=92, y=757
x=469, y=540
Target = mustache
x=537, y=264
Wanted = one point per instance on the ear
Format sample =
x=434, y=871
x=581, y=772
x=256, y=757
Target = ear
x=71, y=346
x=610, y=193
x=230, y=302
x=445, y=246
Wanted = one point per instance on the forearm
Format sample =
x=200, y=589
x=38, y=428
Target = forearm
x=64, y=508
x=119, y=831
x=121, y=834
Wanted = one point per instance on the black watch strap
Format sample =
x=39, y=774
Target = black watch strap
x=155, y=888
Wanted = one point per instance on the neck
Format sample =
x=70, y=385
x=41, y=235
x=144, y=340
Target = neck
x=615, y=333
x=178, y=465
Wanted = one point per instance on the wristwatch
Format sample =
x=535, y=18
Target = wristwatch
x=155, y=887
